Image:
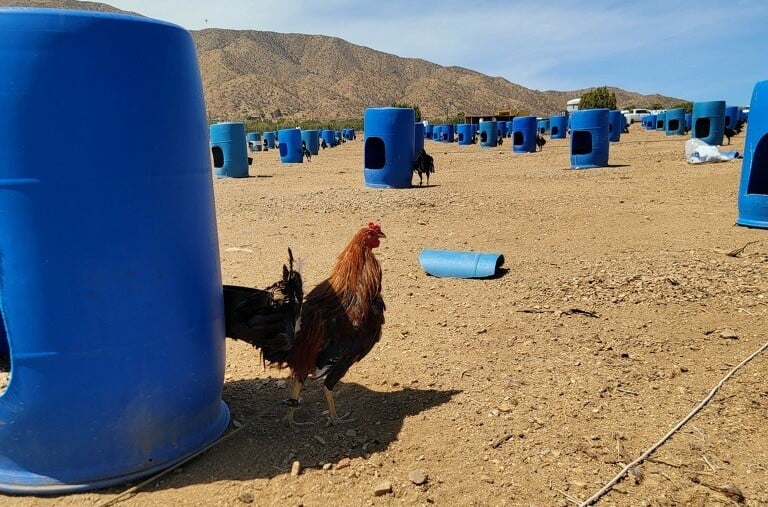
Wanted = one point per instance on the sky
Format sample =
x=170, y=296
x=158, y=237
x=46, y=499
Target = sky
x=697, y=51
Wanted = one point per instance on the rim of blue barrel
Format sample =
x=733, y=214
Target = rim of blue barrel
x=136, y=18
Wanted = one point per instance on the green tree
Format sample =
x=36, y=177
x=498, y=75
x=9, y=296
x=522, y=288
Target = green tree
x=598, y=98
x=685, y=106
x=416, y=109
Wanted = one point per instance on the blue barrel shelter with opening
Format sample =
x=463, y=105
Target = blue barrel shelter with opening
x=509, y=128
x=615, y=125
x=501, y=128
x=447, y=135
x=254, y=141
x=542, y=126
x=688, y=118
x=661, y=120
x=524, y=129
x=488, y=134
x=388, y=149
x=311, y=138
x=418, y=138
x=589, y=138
x=229, y=150
x=110, y=283
x=558, y=126
x=730, y=116
x=753, y=184
x=675, y=122
x=289, y=146
x=464, y=133
x=329, y=136
x=428, y=130
x=649, y=122
x=270, y=139
x=708, y=121
x=437, y=133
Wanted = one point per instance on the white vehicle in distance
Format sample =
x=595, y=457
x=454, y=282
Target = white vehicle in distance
x=633, y=115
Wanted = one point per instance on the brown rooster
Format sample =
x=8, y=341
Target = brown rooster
x=339, y=322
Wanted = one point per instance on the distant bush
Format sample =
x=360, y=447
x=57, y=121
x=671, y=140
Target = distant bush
x=598, y=98
x=272, y=125
x=685, y=106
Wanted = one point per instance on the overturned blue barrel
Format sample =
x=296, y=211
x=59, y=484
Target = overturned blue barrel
x=708, y=121
x=488, y=134
x=270, y=139
x=661, y=120
x=649, y=122
x=388, y=150
x=447, y=133
x=254, y=141
x=311, y=139
x=289, y=146
x=615, y=125
x=428, y=130
x=229, y=150
x=461, y=264
x=464, y=133
x=558, y=126
x=730, y=116
x=524, y=134
x=122, y=377
x=589, y=138
x=501, y=128
x=675, y=122
x=753, y=184
x=418, y=138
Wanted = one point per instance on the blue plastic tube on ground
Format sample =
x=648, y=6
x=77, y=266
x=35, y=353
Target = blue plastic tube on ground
x=458, y=264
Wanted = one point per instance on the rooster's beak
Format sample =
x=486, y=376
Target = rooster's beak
x=382, y=235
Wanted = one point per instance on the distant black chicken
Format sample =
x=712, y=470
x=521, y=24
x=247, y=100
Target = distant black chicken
x=266, y=318
x=424, y=164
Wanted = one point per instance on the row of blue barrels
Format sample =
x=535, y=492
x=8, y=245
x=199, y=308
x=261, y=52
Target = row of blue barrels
x=707, y=121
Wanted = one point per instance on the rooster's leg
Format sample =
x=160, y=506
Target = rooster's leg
x=293, y=403
x=332, y=417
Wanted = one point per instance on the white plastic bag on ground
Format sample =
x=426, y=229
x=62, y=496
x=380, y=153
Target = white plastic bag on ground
x=699, y=152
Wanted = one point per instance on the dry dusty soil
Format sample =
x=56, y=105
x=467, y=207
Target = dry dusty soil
x=618, y=312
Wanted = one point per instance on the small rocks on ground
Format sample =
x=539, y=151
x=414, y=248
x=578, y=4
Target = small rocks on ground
x=418, y=477
x=382, y=488
x=295, y=468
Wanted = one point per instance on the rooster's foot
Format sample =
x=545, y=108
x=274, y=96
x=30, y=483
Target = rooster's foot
x=334, y=421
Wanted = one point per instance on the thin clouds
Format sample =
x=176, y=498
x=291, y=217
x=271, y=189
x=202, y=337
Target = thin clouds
x=651, y=46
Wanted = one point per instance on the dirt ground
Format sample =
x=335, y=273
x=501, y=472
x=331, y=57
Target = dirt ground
x=618, y=312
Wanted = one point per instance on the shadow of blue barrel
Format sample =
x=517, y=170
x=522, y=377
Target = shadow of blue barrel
x=271, y=138
x=229, y=150
x=446, y=133
x=649, y=122
x=254, y=141
x=675, y=122
x=661, y=121
x=388, y=148
x=113, y=307
x=501, y=128
x=708, y=121
x=730, y=116
x=753, y=184
x=428, y=130
x=589, y=138
x=558, y=126
x=289, y=146
x=489, y=136
x=615, y=125
x=311, y=139
x=524, y=129
x=464, y=134
x=418, y=138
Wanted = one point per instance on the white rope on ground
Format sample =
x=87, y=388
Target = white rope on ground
x=155, y=477
x=594, y=498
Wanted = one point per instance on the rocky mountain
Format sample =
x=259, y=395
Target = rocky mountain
x=258, y=74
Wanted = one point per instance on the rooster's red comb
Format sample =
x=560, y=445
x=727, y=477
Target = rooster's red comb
x=374, y=226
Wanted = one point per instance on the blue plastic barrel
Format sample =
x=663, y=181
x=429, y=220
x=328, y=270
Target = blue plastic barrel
x=111, y=287
x=501, y=128
x=615, y=125
x=418, y=138
x=329, y=136
x=558, y=126
x=509, y=128
x=542, y=126
x=708, y=121
x=753, y=184
x=688, y=117
x=464, y=133
x=661, y=120
x=311, y=138
x=649, y=122
x=428, y=131
x=488, y=134
x=731, y=115
x=271, y=138
x=229, y=150
x=461, y=264
x=675, y=122
x=289, y=146
x=447, y=135
x=254, y=141
x=524, y=134
x=388, y=151
x=589, y=138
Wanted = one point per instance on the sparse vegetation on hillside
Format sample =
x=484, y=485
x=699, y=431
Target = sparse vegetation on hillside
x=598, y=98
